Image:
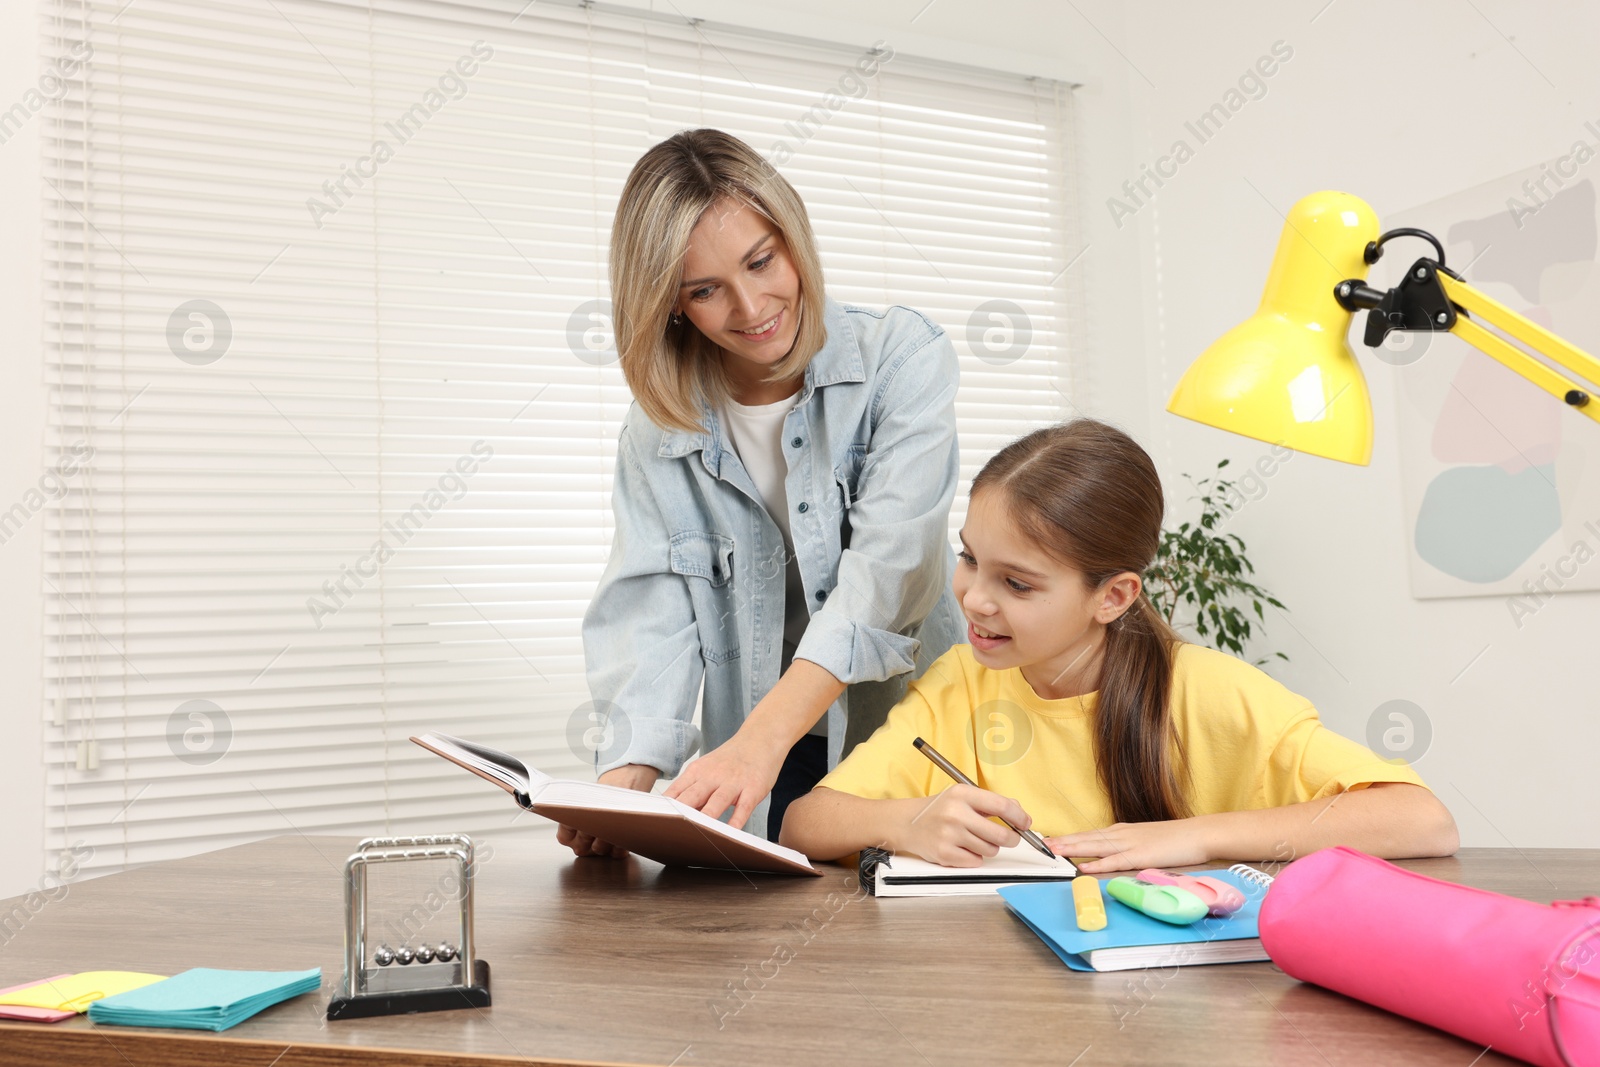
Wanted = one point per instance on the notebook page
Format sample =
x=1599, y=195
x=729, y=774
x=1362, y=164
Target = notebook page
x=1019, y=860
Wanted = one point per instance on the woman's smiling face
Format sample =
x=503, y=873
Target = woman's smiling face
x=740, y=288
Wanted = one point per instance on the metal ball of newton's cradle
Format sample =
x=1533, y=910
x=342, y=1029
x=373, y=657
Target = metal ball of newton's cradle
x=445, y=952
x=404, y=955
x=383, y=956
x=424, y=954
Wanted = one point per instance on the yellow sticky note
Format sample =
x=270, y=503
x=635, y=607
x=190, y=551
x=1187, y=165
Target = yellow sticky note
x=76, y=992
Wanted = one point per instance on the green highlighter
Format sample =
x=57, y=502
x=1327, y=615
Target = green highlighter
x=1169, y=903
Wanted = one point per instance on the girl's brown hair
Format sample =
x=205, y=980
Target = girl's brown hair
x=1089, y=496
x=674, y=368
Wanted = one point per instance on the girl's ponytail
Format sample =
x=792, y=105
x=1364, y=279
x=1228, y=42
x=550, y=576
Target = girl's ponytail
x=1135, y=744
x=1088, y=495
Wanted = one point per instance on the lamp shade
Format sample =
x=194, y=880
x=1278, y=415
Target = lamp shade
x=1286, y=375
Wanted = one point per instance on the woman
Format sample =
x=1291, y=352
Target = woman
x=782, y=495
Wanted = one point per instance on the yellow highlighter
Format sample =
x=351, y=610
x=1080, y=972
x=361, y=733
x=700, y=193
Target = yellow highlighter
x=1087, y=904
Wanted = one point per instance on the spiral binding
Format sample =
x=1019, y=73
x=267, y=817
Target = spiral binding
x=867, y=868
x=1250, y=874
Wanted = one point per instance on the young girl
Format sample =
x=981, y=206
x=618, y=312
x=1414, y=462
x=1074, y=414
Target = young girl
x=1080, y=714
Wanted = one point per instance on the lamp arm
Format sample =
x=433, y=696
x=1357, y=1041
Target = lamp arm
x=1433, y=298
x=1584, y=367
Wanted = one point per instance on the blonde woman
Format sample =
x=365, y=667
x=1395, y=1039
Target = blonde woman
x=782, y=495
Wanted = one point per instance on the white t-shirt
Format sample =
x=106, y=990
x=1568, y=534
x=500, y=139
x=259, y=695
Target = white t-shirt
x=756, y=433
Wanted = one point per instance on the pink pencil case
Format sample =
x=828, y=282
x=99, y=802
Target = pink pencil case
x=1496, y=970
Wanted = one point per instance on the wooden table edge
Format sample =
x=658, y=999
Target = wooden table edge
x=61, y=1047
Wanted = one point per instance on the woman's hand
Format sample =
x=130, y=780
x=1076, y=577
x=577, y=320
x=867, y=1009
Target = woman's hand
x=1133, y=846
x=632, y=776
x=737, y=774
x=955, y=829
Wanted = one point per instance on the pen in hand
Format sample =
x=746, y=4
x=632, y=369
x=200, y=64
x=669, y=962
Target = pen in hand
x=953, y=771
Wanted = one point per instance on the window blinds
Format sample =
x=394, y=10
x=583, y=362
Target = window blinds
x=330, y=384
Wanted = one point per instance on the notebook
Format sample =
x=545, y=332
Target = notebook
x=660, y=828
x=886, y=874
x=1132, y=939
x=204, y=999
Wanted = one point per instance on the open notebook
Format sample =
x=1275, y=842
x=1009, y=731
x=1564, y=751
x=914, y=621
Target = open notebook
x=886, y=874
x=652, y=825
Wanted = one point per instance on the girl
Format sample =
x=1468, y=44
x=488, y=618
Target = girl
x=782, y=495
x=1077, y=709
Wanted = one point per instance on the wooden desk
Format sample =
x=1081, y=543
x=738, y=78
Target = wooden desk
x=605, y=961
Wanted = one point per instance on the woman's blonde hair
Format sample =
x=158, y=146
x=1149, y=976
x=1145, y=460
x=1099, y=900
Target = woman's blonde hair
x=675, y=369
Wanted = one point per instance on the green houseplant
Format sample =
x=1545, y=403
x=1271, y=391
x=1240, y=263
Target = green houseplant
x=1201, y=578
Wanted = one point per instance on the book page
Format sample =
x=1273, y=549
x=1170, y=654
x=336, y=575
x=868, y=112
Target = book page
x=503, y=769
x=566, y=792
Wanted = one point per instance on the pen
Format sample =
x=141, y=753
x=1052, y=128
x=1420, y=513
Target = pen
x=950, y=768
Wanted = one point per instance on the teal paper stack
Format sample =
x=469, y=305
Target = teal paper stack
x=204, y=999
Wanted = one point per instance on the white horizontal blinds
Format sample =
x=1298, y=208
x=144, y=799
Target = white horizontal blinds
x=385, y=327
x=383, y=507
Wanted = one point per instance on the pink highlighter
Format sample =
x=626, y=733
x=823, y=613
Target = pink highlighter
x=1220, y=898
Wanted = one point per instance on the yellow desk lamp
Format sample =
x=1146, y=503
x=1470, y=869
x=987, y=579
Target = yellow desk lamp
x=1286, y=375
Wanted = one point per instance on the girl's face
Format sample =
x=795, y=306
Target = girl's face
x=1026, y=609
x=740, y=288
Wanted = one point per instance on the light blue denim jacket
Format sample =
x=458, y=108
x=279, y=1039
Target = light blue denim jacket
x=694, y=586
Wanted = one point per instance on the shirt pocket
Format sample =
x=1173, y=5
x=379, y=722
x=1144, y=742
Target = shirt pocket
x=847, y=487
x=705, y=560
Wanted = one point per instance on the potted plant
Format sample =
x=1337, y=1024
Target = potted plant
x=1201, y=579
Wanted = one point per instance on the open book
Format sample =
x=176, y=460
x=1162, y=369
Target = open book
x=652, y=825
x=886, y=874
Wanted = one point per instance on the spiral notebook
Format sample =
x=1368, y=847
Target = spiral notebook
x=885, y=874
x=1132, y=939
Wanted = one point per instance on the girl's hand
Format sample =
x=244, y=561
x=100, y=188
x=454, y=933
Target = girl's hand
x=954, y=828
x=737, y=774
x=632, y=776
x=1133, y=846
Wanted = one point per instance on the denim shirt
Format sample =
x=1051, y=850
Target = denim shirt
x=694, y=587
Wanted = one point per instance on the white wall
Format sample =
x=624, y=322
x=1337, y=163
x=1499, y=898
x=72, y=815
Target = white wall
x=1400, y=104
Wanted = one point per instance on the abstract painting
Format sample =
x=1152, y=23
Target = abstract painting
x=1501, y=483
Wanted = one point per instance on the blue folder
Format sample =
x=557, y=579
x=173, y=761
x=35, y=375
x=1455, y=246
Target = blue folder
x=1047, y=910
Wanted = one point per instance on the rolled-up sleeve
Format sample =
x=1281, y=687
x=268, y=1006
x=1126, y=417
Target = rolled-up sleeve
x=641, y=646
x=894, y=570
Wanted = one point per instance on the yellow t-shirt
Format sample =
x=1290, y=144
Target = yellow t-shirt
x=1250, y=743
